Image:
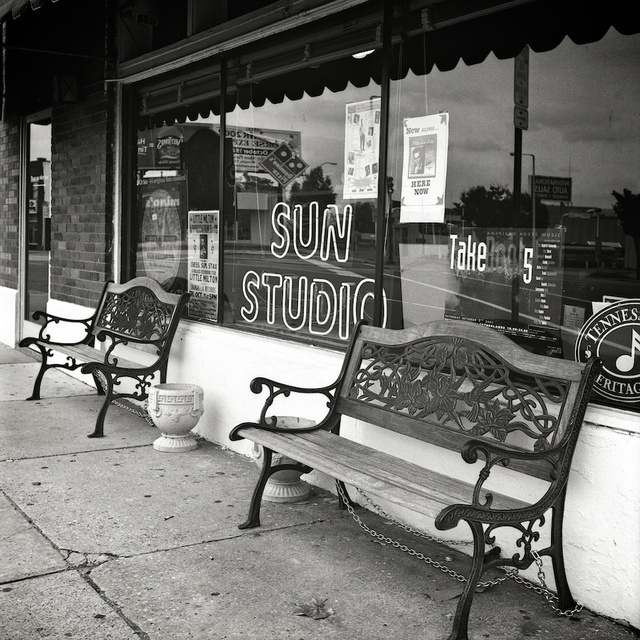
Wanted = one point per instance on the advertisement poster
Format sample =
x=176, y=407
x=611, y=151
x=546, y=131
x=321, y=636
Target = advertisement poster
x=470, y=276
x=204, y=261
x=424, y=168
x=162, y=205
x=362, y=135
x=251, y=145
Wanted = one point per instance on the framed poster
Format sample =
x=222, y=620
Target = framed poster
x=204, y=264
x=162, y=205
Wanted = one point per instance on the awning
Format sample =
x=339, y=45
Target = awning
x=17, y=7
x=433, y=37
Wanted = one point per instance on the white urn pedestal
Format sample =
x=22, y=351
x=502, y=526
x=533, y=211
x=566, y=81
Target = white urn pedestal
x=175, y=409
x=284, y=486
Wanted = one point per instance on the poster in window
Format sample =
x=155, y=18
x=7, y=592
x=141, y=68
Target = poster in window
x=162, y=204
x=362, y=136
x=204, y=262
x=424, y=170
x=471, y=275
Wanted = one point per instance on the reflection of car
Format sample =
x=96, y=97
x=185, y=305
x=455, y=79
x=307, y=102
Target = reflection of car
x=363, y=237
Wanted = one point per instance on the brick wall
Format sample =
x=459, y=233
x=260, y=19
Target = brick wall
x=81, y=139
x=9, y=192
x=81, y=198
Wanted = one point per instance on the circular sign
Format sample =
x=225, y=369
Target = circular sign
x=613, y=334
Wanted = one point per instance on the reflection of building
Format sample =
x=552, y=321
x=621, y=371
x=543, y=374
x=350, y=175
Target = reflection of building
x=593, y=238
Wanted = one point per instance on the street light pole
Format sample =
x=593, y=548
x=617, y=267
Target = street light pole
x=533, y=191
x=533, y=188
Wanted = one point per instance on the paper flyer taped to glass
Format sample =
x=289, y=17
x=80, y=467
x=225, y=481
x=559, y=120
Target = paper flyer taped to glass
x=424, y=169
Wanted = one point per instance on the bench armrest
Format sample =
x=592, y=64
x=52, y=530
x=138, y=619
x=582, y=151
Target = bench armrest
x=276, y=389
x=50, y=320
x=479, y=508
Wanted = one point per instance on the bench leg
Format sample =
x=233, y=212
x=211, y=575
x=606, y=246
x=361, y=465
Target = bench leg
x=98, y=432
x=253, y=519
x=35, y=394
x=461, y=618
x=555, y=552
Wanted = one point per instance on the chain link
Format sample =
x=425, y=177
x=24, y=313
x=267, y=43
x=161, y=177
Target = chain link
x=122, y=405
x=510, y=572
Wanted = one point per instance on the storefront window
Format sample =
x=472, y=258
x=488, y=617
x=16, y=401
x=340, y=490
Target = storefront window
x=296, y=247
x=561, y=275
x=299, y=249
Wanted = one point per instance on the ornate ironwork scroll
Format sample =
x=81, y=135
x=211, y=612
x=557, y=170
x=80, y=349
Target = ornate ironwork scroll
x=463, y=387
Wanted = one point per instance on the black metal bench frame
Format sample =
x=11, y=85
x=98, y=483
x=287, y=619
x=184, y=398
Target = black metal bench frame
x=138, y=312
x=457, y=385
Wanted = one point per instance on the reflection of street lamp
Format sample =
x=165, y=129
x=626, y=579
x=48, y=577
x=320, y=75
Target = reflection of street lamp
x=533, y=189
x=333, y=164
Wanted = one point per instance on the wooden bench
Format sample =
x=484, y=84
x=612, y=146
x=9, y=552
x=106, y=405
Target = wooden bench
x=138, y=312
x=457, y=385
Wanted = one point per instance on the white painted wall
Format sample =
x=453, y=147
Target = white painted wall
x=8, y=305
x=602, y=519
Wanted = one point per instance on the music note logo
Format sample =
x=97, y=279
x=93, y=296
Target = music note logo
x=626, y=361
x=613, y=335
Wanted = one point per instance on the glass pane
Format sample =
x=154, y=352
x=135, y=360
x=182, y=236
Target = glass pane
x=299, y=248
x=561, y=273
x=177, y=223
x=38, y=218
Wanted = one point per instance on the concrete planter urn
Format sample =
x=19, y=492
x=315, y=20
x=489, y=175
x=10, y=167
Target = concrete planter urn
x=284, y=486
x=175, y=409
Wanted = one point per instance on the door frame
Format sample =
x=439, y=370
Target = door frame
x=24, y=326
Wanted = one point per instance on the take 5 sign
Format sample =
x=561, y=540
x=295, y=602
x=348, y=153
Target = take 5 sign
x=613, y=334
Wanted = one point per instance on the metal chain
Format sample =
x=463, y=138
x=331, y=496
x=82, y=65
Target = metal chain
x=510, y=572
x=412, y=552
x=126, y=407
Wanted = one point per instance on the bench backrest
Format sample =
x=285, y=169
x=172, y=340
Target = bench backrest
x=450, y=381
x=138, y=312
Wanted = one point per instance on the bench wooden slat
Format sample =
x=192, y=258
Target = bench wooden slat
x=383, y=475
x=439, y=436
x=85, y=353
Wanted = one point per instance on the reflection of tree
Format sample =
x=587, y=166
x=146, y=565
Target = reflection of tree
x=315, y=187
x=493, y=207
x=627, y=208
x=364, y=216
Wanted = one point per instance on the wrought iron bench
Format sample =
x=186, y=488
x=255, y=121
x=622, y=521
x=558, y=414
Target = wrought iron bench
x=457, y=385
x=138, y=312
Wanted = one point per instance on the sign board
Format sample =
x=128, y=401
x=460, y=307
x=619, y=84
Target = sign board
x=521, y=79
x=251, y=145
x=521, y=90
x=283, y=164
x=553, y=188
x=520, y=118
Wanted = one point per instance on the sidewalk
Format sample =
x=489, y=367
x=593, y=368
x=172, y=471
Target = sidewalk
x=109, y=539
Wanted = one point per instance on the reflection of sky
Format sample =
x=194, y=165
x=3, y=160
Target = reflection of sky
x=583, y=120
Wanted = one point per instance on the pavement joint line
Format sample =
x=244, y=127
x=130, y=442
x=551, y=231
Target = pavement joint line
x=74, y=453
x=116, y=608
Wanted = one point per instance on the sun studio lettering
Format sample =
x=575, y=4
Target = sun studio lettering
x=321, y=305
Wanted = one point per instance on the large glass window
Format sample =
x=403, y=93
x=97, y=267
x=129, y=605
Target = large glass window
x=299, y=249
x=300, y=227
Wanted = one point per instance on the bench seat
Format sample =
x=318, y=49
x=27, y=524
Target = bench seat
x=380, y=474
